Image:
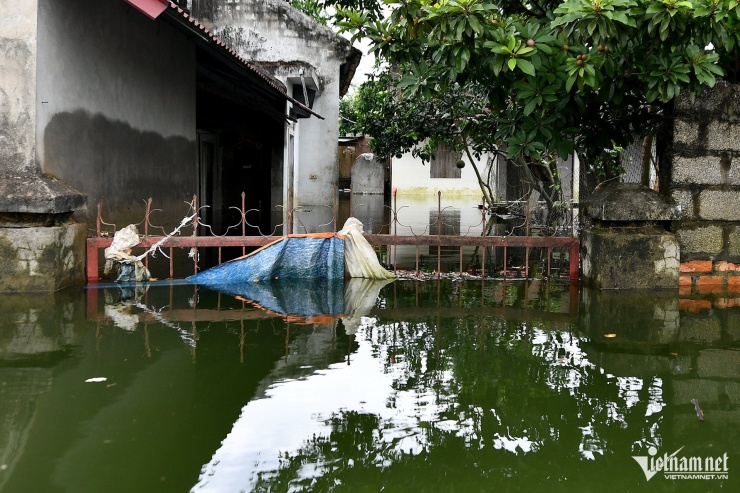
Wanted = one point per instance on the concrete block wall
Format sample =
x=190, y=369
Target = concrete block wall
x=704, y=178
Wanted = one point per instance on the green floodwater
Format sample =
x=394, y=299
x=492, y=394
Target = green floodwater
x=439, y=386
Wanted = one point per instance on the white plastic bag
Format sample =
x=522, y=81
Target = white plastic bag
x=118, y=254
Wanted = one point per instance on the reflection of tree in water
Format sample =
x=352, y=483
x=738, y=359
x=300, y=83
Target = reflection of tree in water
x=478, y=400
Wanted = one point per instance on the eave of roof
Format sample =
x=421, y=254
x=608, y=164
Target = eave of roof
x=347, y=70
x=200, y=32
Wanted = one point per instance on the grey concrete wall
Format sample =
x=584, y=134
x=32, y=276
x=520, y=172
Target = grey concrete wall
x=639, y=260
x=705, y=173
x=17, y=87
x=283, y=41
x=367, y=175
x=42, y=259
x=116, y=108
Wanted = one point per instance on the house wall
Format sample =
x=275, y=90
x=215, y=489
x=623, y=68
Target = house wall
x=284, y=41
x=17, y=88
x=704, y=178
x=410, y=176
x=116, y=108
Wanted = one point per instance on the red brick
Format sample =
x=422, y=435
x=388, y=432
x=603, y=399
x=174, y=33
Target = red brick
x=733, y=284
x=696, y=266
x=684, y=280
x=688, y=305
x=710, y=280
x=711, y=288
x=684, y=290
x=710, y=284
x=726, y=266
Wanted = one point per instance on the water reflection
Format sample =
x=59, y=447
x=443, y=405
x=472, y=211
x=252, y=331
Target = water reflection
x=405, y=386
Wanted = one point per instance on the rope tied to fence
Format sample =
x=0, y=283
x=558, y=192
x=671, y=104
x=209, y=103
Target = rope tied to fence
x=157, y=246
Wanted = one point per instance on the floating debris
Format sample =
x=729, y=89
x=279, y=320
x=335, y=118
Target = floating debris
x=96, y=379
x=431, y=276
x=699, y=412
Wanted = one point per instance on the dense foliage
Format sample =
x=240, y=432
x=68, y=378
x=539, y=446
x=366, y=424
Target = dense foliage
x=543, y=78
x=313, y=9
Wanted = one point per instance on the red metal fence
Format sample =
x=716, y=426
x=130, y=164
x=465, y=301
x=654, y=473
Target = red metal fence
x=193, y=242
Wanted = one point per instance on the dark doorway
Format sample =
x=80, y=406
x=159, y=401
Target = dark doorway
x=240, y=147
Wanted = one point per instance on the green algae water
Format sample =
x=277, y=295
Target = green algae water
x=435, y=386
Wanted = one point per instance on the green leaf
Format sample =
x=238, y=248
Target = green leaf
x=475, y=24
x=591, y=28
x=525, y=66
x=530, y=106
x=622, y=17
x=570, y=82
x=524, y=50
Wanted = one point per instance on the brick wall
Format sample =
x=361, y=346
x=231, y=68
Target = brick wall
x=704, y=177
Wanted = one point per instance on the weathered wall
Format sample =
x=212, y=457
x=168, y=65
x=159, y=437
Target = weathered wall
x=367, y=175
x=40, y=248
x=704, y=178
x=283, y=40
x=42, y=258
x=116, y=108
x=17, y=87
x=635, y=260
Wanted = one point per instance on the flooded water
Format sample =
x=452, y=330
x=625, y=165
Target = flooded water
x=398, y=386
x=447, y=216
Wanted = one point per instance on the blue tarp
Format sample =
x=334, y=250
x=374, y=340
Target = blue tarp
x=298, y=297
x=313, y=256
x=296, y=275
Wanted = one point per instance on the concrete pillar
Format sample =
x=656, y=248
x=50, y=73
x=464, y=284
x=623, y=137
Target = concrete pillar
x=42, y=248
x=18, y=30
x=627, y=245
x=367, y=175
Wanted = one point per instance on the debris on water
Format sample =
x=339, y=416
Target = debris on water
x=699, y=412
x=411, y=275
x=118, y=256
x=431, y=276
x=96, y=379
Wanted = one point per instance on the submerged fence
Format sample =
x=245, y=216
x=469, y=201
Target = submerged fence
x=515, y=256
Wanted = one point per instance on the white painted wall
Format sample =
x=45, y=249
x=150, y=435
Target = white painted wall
x=410, y=176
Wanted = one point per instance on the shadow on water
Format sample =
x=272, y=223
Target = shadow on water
x=363, y=386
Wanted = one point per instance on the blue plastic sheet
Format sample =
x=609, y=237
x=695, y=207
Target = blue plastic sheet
x=306, y=298
x=318, y=256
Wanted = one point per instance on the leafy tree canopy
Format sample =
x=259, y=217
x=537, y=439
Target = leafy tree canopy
x=544, y=78
x=313, y=9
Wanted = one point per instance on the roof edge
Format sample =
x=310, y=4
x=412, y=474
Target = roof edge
x=183, y=17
